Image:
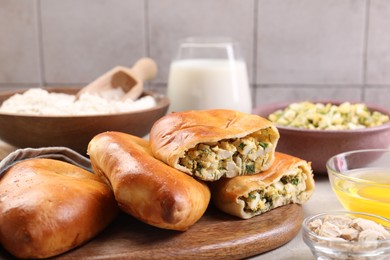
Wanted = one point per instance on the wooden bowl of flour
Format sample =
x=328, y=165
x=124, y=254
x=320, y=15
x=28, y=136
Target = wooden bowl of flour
x=75, y=131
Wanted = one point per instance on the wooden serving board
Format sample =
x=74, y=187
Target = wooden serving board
x=216, y=235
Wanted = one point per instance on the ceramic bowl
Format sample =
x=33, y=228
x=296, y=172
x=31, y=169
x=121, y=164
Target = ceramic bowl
x=324, y=247
x=361, y=180
x=75, y=132
x=317, y=146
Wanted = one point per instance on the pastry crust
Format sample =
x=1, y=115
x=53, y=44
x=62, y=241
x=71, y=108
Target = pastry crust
x=175, y=135
x=48, y=207
x=145, y=187
x=248, y=196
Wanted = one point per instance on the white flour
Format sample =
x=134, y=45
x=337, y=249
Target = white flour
x=37, y=101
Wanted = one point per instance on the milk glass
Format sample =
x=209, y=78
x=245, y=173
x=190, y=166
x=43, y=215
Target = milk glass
x=209, y=73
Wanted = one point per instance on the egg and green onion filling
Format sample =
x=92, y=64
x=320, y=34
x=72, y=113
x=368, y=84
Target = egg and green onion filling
x=230, y=157
x=320, y=116
x=289, y=189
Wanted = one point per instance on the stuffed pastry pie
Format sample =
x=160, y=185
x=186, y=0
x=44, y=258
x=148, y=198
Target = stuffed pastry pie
x=145, y=187
x=210, y=144
x=289, y=180
x=48, y=207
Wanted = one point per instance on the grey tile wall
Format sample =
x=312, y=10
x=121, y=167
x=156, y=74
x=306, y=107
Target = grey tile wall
x=281, y=93
x=83, y=39
x=310, y=41
x=378, y=44
x=172, y=20
x=19, y=47
x=295, y=49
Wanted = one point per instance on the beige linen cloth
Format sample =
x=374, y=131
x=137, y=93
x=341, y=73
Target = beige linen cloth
x=57, y=153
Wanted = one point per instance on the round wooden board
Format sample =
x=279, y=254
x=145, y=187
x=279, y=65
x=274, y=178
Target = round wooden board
x=216, y=235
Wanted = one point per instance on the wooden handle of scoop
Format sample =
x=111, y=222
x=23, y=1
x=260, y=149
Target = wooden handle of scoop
x=145, y=69
x=131, y=80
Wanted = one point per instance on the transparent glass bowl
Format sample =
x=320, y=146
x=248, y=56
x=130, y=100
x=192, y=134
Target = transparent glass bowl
x=331, y=248
x=361, y=180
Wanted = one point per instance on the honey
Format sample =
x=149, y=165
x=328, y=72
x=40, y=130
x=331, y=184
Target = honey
x=371, y=195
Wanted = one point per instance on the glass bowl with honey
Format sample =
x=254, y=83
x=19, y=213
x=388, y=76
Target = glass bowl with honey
x=361, y=180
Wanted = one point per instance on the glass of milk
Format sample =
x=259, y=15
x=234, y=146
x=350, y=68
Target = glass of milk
x=209, y=73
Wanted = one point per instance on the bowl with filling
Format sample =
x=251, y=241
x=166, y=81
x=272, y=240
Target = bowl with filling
x=347, y=235
x=317, y=130
x=42, y=117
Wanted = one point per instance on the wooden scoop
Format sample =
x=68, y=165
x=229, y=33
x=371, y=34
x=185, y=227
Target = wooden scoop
x=131, y=80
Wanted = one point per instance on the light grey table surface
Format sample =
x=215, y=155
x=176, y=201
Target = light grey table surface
x=322, y=200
